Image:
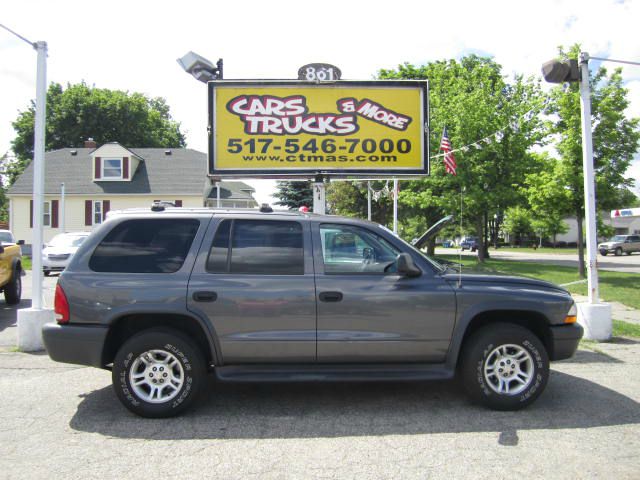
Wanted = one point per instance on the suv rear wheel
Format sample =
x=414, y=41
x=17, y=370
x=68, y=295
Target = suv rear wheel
x=504, y=366
x=158, y=373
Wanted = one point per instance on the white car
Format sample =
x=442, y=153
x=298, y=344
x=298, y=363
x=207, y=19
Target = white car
x=58, y=252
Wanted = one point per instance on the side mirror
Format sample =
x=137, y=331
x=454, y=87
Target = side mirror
x=406, y=266
x=20, y=242
x=1, y=249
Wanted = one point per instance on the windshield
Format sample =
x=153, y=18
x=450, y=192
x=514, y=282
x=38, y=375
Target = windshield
x=6, y=237
x=618, y=238
x=67, y=240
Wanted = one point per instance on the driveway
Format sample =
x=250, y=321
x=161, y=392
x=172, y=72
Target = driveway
x=625, y=263
x=64, y=421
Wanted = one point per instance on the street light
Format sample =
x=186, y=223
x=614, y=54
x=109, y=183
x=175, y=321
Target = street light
x=202, y=69
x=594, y=316
x=31, y=320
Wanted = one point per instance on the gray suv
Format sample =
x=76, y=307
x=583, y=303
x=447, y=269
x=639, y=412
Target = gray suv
x=161, y=298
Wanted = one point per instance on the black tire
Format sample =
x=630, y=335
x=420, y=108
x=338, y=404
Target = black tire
x=603, y=253
x=482, y=350
x=159, y=344
x=618, y=251
x=13, y=289
x=46, y=273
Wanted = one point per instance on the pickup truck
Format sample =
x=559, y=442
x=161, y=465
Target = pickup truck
x=163, y=297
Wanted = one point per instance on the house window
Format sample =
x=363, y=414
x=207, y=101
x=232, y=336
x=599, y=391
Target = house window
x=97, y=212
x=46, y=214
x=111, y=168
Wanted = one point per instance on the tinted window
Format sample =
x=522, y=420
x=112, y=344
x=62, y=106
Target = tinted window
x=219, y=252
x=145, y=246
x=348, y=249
x=266, y=247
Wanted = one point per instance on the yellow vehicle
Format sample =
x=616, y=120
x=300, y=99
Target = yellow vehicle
x=10, y=267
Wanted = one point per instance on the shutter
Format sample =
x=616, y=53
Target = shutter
x=106, y=206
x=178, y=203
x=88, y=213
x=30, y=213
x=97, y=171
x=54, y=213
x=125, y=168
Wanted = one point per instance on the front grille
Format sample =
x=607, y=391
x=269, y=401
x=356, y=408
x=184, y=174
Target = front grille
x=58, y=257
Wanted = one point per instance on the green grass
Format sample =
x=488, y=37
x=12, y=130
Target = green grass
x=614, y=286
x=543, y=250
x=625, y=329
x=26, y=263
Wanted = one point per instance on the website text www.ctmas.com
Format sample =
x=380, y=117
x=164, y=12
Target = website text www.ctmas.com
x=314, y=150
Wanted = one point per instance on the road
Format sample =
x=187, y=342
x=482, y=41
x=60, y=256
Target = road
x=625, y=263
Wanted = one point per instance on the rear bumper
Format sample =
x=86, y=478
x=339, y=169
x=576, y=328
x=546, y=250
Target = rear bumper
x=81, y=345
x=564, y=340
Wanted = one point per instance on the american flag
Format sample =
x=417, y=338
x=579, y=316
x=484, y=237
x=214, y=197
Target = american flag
x=449, y=160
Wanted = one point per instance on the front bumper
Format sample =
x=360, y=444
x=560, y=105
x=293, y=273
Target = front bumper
x=564, y=340
x=81, y=345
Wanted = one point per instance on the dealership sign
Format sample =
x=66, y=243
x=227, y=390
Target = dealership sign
x=280, y=128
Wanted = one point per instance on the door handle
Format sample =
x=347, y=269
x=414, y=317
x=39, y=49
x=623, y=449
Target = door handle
x=205, y=296
x=330, y=296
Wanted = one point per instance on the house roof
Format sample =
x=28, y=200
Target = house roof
x=182, y=172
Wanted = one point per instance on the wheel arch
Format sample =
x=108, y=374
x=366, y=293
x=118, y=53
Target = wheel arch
x=125, y=326
x=532, y=320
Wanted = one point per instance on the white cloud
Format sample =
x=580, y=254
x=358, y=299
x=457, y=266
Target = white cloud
x=133, y=45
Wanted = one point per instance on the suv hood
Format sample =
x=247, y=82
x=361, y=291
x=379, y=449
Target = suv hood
x=498, y=279
x=435, y=228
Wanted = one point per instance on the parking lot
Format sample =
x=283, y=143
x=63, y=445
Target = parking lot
x=64, y=421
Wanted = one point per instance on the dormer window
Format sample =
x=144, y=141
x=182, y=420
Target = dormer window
x=112, y=168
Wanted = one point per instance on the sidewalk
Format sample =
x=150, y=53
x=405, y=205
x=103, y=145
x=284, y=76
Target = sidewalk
x=618, y=310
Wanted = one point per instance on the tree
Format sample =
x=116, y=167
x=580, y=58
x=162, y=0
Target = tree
x=80, y=112
x=517, y=222
x=294, y=194
x=615, y=141
x=472, y=98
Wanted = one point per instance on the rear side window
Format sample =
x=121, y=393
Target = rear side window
x=263, y=247
x=145, y=246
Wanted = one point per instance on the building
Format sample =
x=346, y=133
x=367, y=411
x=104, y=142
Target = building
x=96, y=180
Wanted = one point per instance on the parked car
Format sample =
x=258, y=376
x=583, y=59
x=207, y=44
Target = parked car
x=163, y=297
x=469, y=243
x=57, y=254
x=621, y=244
x=10, y=267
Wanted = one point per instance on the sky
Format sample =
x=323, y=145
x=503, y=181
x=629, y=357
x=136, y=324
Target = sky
x=133, y=45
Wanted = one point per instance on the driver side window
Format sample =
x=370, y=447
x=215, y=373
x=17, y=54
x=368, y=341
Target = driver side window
x=349, y=249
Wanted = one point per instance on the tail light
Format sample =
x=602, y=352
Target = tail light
x=61, y=305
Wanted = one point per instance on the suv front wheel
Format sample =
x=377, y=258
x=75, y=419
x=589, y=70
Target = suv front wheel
x=158, y=373
x=504, y=366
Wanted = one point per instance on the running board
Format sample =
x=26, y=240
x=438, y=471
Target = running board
x=333, y=373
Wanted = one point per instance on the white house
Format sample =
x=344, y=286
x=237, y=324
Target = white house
x=112, y=177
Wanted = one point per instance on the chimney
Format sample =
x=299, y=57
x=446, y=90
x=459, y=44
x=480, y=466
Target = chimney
x=90, y=143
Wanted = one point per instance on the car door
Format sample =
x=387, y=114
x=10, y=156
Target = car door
x=367, y=312
x=254, y=282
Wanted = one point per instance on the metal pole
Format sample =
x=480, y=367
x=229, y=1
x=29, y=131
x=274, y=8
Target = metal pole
x=369, y=200
x=589, y=179
x=62, y=200
x=38, y=174
x=319, y=198
x=395, y=206
x=218, y=195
